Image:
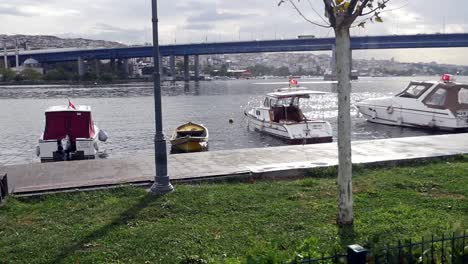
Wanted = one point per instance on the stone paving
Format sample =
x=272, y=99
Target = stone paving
x=269, y=162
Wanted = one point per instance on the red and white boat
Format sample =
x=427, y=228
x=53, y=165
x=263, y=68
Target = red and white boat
x=69, y=134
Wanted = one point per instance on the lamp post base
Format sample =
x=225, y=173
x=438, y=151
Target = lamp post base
x=161, y=189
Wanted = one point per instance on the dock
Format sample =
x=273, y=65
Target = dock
x=284, y=161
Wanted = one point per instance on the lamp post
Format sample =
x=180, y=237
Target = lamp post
x=161, y=183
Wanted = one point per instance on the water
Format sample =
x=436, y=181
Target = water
x=126, y=113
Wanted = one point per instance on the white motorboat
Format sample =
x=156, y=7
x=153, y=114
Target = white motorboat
x=69, y=134
x=280, y=116
x=428, y=104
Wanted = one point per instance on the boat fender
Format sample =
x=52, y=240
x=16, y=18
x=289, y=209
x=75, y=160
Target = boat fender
x=96, y=146
x=390, y=109
x=38, y=151
x=102, y=136
x=374, y=114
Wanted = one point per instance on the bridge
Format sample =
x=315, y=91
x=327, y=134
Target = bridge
x=287, y=45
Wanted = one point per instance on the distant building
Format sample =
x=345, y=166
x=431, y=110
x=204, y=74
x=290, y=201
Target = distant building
x=29, y=64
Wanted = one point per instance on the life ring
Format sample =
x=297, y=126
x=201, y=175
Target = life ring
x=390, y=110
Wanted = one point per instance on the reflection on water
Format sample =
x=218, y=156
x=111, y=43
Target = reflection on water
x=126, y=112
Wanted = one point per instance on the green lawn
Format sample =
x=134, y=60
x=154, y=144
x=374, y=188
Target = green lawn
x=226, y=223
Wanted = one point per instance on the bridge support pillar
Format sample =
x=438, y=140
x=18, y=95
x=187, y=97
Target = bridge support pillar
x=96, y=67
x=186, y=68
x=5, y=56
x=172, y=66
x=125, y=67
x=81, y=67
x=112, y=65
x=197, y=68
x=17, y=55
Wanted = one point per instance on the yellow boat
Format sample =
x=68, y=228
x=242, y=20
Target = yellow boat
x=190, y=137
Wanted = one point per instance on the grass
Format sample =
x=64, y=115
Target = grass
x=235, y=222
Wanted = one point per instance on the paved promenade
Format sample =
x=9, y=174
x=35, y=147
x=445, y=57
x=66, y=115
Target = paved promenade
x=269, y=162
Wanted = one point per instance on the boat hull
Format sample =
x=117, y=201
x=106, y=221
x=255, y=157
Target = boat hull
x=319, y=131
x=189, y=145
x=189, y=137
x=85, y=149
x=426, y=118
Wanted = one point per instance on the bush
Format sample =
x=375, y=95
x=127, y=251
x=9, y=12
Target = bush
x=31, y=75
x=7, y=75
x=106, y=77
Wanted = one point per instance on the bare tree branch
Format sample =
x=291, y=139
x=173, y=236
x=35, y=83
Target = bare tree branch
x=375, y=9
x=317, y=13
x=305, y=18
x=352, y=6
x=356, y=24
x=329, y=4
x=358, y=11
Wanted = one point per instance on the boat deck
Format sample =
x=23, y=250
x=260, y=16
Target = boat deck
x=37, y=178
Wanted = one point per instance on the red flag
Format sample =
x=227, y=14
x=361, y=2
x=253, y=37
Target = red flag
x=70, y=105
x=293, y=82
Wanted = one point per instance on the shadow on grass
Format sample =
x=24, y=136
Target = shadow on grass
x=129, y=214
x=347, y=235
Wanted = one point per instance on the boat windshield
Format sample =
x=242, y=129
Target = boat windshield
x=463, y=96
x=448, y=97
x=414, y=90
x=286, y=101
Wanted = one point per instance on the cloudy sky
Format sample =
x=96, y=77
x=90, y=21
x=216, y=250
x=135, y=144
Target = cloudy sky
x=186, y=21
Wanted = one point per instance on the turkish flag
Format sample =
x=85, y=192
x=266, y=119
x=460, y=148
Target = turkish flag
x=70, y=105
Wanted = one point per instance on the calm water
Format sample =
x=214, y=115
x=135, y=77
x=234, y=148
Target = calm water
x=126, y=113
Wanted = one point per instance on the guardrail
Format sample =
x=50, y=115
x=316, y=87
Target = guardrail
x=445, y=250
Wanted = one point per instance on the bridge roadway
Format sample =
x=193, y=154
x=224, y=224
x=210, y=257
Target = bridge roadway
x=287, y=45
x=286, y=161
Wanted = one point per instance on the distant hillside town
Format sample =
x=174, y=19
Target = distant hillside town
x=230, y=65
x=32, y=42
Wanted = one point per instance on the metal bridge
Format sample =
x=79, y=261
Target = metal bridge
x=287, y=45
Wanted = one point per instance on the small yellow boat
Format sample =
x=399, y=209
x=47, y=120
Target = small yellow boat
x=190, y=137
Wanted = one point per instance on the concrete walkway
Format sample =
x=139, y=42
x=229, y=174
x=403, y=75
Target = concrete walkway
x=270, y=162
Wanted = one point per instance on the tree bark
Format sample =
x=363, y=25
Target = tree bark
x=343, y=70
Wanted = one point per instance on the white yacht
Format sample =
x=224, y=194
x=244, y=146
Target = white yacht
x=69, y=134
x=429, y=104
x=281, y=117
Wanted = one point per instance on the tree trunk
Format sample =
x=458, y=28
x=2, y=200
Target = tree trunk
x=343, y=70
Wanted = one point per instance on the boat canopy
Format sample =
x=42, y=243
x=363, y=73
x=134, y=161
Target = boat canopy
x=74, y=123
x=294, y=93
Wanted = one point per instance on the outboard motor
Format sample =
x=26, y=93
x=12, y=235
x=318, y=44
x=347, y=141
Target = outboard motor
x=66, y=144
x=63, y=149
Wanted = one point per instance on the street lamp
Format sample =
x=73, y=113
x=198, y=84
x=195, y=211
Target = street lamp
x=161, y=183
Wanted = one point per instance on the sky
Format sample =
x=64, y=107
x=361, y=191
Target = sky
x=195, y=21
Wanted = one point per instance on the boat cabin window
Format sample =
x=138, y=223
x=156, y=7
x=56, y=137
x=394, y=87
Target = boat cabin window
x=287, y=101
x=266, y=103
x=286, y=110
x=463, y=96
x=272, y=102
x=437, y=98
x=414, y=90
